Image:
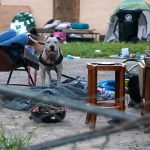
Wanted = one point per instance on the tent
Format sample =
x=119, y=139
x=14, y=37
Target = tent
x=127, y=8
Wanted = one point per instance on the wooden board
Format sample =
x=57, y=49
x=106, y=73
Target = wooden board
x=7, y=12
x=66, y=10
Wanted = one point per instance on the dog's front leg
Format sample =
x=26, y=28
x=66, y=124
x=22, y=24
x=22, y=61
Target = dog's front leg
x=59, y=79
x=59, y=73
x=50, y=77
x=43, y=75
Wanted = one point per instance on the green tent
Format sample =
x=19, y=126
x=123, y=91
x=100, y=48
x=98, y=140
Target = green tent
x=143, y=21
x=133, y=4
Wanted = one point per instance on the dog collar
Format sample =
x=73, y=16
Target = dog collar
x=58, y=61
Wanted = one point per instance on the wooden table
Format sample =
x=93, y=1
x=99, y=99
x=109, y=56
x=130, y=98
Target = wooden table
x=89, y=32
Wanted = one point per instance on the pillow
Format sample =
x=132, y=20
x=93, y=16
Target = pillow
x=63, y=25
x=77, y=25
x=52, y=25
x=20, y=38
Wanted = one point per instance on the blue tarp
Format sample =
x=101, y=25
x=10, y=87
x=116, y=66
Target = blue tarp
x=109, y=85
x=75, y=89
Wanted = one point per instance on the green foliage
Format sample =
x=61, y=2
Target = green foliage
x=87, y=49
x=13, y=142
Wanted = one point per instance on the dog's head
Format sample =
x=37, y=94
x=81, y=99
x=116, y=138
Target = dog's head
x=51, y=45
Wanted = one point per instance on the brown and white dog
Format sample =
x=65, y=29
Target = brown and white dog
x=51, y=59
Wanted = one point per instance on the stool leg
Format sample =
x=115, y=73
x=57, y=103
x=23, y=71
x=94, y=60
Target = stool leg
x=88, y=116
x=120, y=88
x=94, y=96
x=93, y=121
x=117, y=89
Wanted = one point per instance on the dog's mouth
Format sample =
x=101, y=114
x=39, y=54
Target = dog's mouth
x=51, y=52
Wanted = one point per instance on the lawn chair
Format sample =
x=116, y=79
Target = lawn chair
x=15, y=56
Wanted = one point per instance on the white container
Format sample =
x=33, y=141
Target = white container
x=125, y=52
x=98, y=51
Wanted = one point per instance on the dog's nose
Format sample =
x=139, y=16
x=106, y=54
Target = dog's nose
x=52, y=48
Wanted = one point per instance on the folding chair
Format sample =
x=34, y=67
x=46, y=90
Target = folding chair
x=15, y=56
x=20, y=62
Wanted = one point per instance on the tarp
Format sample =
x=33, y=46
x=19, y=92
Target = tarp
x=143, y=21
x=133, y=4
x=74, y=89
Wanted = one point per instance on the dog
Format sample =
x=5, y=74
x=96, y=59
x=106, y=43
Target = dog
x=51, y=59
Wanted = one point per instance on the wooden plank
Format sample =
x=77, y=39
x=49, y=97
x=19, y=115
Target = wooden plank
x=42, y=30
x=66, y=10
x=8, y=12
x=84, y=31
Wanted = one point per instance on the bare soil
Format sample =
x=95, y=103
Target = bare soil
x=74, y=122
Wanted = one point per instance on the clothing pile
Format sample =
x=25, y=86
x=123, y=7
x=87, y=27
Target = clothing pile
x=106, y=89
x=59, y=25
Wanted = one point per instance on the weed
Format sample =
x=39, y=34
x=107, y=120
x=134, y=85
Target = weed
x=14, y=141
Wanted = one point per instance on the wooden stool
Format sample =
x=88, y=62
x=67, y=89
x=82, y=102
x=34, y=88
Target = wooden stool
x=119, y=102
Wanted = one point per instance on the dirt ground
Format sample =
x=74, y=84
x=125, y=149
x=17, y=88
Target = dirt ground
x=74, y=122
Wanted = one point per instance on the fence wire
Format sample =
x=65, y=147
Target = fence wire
x=130, y=121
x=145, y=121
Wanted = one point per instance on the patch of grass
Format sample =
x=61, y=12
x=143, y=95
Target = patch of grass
x=15, y=141
x=87, y=49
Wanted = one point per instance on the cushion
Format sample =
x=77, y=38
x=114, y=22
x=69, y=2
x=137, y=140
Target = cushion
x=77, y=25
x=7, y=35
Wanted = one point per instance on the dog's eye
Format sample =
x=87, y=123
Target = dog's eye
x=55, y=42
x=48, y=42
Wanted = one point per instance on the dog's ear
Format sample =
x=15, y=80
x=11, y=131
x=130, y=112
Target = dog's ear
x=51, y=35
x=46, y=37
x=59, y=38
